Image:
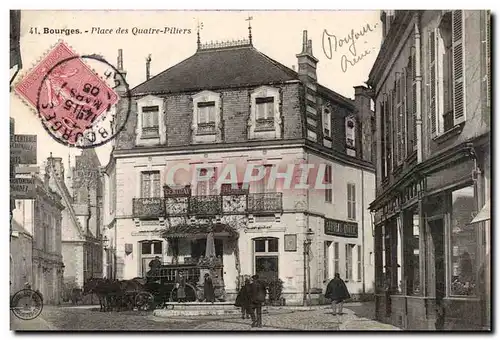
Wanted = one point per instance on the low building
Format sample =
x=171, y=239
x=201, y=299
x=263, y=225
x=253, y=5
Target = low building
x=432, y=90
x=21, y=260
x=231, y=105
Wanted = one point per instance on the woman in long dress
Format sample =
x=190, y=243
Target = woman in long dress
x=208, y=289
x=180, y=283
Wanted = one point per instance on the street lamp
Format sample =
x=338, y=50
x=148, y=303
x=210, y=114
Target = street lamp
x=307, y=267
x=105, y=242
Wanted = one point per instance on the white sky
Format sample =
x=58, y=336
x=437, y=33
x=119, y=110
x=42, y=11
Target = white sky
x=277, y=34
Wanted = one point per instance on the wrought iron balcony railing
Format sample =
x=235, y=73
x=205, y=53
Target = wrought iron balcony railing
x=271, y=202
x=205, y=205
x=151, y=207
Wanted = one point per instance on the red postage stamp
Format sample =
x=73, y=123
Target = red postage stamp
x=67, y=94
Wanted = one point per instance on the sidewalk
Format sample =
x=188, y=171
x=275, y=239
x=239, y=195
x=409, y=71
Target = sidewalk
x=350, y=322
x=37, y=324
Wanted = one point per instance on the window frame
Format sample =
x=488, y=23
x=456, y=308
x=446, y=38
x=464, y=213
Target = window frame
x=327, y=122
x=359, y=254
x=351, y=201
x=150, y=174
x=328, y=179
x=266, y=252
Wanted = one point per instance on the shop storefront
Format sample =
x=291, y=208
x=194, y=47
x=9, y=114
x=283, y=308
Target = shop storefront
x=432, y=266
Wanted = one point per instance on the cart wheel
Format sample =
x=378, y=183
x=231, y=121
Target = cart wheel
x=144, y=301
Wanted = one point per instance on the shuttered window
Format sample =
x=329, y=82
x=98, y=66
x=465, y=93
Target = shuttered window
x=351, y=201
x=382, y=138
x=150, y=184
x=458, y=67
x=413, y=67
x=388, y=132
x=432, y=86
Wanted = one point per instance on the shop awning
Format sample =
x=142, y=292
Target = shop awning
x=199, y=230
x=484, y=214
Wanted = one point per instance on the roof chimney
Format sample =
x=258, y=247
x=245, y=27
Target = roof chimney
x=119, y=62
x=307, y=61
x=148, y=66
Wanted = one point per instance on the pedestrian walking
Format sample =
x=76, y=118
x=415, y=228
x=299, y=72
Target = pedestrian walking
x=208, y=289
x=258, y=297
x=243, y=300
x=180, y=283
x=337, y=292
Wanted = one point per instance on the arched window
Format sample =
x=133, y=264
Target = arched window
x=266, y=257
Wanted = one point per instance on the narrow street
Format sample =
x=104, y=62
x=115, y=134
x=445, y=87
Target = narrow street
x=279, y=319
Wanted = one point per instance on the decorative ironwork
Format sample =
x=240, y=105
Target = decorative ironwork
x=264, y=123
x=265, y=202
x=222, y=44
x=176, y=206
x=234, y=204
x=206, y=128
x=205, y=205
x=150, y=131
x=152, y=207
x=210, y=262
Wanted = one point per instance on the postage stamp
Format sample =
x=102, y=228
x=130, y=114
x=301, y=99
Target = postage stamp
x=75, y=104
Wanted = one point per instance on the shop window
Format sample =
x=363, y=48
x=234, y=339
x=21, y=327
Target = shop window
x=336, y=265
x=348, y=262
x=465, y=248
x=412, y=251
x=266, y=255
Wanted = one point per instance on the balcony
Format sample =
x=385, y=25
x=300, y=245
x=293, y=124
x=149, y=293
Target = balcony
x=271, y=202
x=148, y=208
x=205, y=205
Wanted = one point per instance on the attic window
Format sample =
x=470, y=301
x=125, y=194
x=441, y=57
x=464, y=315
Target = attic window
x=206, y=116
x=327, y=122
x=150, y=119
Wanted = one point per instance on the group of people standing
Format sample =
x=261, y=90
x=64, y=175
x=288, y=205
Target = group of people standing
x=250, y=299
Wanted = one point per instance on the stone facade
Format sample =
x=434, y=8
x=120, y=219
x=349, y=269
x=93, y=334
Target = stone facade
x=137, y=219
x=433, y=169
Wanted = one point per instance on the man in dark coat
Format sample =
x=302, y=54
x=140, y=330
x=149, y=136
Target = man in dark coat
x=258, y=298
x=208, y=289
x=243, y=300
x=154, y=265
x=337, y=292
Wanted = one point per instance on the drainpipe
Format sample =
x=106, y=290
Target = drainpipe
x=363, y=229
x=418, y=80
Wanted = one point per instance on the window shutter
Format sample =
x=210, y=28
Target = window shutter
x=458, y=68
x=382, y=136
x=403, y=115
x=395, y=129
x=388, y=126
x=488, y=57
x=432, y=82
x=414, y=98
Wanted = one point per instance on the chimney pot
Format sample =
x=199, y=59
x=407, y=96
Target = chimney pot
x=309, y=47
x=304, y=41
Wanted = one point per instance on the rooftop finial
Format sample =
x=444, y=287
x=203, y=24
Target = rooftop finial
x=148, y=66
x=249, y=19
x=199, y=28
x=120, y=60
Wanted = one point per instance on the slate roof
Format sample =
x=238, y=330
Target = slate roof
x=218, y=68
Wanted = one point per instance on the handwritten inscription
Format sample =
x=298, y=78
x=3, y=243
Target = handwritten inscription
x=331, y=43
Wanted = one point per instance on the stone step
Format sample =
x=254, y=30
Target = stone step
x=200, y=306
x=194, y=312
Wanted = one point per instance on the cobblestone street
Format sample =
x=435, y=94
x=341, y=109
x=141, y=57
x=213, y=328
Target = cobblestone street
x=279, y=319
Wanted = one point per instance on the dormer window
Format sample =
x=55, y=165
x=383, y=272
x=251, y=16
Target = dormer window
x=150, y=119
x=264, y=113
x=206, y=126
x=327, y=122
x=206, y=117
x=264, y=121
x=150, y=128
x=350, y=136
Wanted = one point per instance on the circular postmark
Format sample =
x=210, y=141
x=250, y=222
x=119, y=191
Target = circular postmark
x=77, y=106
x=26, y=304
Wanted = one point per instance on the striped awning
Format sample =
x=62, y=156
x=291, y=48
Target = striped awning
x=199, y=230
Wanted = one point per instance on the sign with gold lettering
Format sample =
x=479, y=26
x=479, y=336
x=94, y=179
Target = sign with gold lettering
x=341, y=228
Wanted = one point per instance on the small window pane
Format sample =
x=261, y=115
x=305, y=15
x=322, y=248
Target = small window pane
x=260, y=246
x=157, y=248
x=273, y=245
x=146, y=248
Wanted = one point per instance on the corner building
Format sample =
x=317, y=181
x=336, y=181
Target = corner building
x=229, y=103
x=431, y=84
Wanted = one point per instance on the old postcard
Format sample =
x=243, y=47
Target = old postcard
x=250, y=170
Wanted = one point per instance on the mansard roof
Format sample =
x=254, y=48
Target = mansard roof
x=212, y=68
